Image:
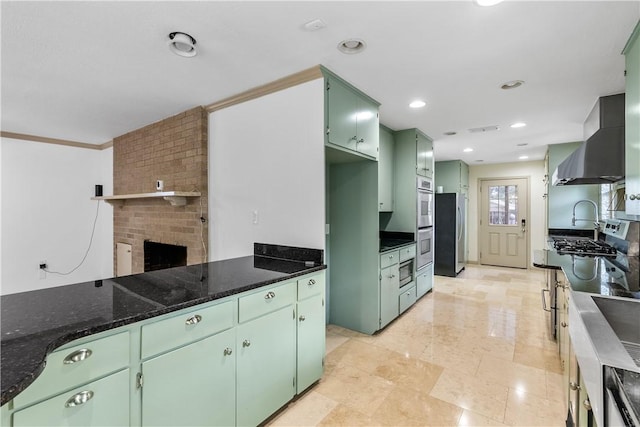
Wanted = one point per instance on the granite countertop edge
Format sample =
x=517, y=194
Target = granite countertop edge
x=12, y=391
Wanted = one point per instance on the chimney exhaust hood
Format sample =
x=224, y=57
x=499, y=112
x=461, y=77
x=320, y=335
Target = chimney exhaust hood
x=600, y=158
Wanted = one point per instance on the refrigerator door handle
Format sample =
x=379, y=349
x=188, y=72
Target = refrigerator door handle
x=459, y=224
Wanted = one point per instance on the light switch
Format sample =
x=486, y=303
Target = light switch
x=255, y=217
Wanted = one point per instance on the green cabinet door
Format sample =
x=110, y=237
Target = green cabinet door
x=352, y=118
x=385, y=171
x=367, y=127
x=424, y=155
x=193, y=385
x=389, y=285
x=341, y=126
x=266, y=365
x=104, y=402
x=632, y=123
x=311, y=341
x=424, y=280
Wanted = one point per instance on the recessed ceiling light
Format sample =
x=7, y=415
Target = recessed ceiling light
x=518, y=125
x=450, y=133
x=487, y=2
x=523, y=157
x=512, y=84
x=468, y=150
x=522, y=144
x=182, y=44
x=351, y=46
x=417, y=104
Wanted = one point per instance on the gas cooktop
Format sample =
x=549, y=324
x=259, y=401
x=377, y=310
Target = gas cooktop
x=582, y=247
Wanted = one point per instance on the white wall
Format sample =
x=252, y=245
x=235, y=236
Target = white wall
x=47, y=214
x=267, y=156
x=535, y=172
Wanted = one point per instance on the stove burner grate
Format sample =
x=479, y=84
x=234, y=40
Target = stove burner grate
x=583, y=247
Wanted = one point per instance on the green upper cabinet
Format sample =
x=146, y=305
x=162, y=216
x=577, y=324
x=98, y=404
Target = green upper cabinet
x=452, y=176
x=424, y=155
x=352, y=121
x=385, y=171
x=632, y=123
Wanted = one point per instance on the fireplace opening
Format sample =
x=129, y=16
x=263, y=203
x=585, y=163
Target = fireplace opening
x=158, y=256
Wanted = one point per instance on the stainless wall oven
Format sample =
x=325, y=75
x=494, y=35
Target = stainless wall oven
x=425, y=247
x=425, y=202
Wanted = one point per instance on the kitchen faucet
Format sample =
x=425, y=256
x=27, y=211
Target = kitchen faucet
x=595, y=222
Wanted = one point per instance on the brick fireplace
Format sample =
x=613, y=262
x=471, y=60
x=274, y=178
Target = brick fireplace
x=173, y=150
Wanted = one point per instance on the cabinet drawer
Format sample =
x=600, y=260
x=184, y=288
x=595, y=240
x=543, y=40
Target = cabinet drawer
x=407, y=252
x=265, y=301
x=101, y=403
x=407, y=298
x=186, y=327
x=310, y=286
x=77, y=365
x=389, y=258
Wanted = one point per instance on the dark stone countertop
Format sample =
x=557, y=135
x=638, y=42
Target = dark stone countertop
x=394, y=239
x=616, y=276
x=37, y=322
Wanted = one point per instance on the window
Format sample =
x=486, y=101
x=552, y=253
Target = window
x=503, y=205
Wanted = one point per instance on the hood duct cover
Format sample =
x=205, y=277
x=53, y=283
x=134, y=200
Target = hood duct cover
x=600, y=159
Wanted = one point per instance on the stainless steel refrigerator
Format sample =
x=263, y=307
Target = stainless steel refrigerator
x=449, y=234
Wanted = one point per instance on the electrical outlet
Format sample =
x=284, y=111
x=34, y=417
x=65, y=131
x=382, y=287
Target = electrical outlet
x=41, y=268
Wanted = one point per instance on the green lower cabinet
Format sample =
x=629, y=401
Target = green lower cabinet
x=407, y=297
x=389, y=284
x=184, y=388
x=424, y=280
x=310, y=333
x=266, y=365
x=104, y=402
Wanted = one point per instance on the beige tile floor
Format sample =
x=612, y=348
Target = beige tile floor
x=473, y=352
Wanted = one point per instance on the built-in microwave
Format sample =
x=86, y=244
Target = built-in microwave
x=406, y=272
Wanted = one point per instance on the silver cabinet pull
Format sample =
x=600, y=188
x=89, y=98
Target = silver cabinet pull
x=360, y=141
x=79, y=399
x=270, y=295
x=574, y=386
x=77, y=356
x=302, y=318
x=586, y=404
x=390, y=256
x=311, y=282
x=246, y=343
x=193, y=320
x=228, y=351
x=563, y=324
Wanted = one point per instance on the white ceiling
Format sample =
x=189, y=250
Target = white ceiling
x=90, y=71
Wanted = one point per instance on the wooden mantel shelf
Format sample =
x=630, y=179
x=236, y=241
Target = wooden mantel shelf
x=176, y=198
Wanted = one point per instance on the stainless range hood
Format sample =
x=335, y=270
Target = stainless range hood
x=600, y=159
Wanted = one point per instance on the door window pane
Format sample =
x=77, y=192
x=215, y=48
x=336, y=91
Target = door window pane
x=503, y=205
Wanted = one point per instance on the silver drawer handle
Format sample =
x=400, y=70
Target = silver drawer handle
x=311, y=282
x=302, y=318
x=246, y=343
x=228, y=351
x=390, y=256
x=79, y=399
x=77, y=356
x=270, y=295
x=193, y=320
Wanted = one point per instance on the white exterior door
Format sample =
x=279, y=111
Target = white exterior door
x=504, y=222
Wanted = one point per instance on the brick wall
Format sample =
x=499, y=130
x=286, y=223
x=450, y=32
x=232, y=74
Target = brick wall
x=173, y=150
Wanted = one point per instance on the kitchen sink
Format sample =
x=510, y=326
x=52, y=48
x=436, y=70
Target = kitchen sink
x=624, y=318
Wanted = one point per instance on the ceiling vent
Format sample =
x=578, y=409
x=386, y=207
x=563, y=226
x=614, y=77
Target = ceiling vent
x=484, y=129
